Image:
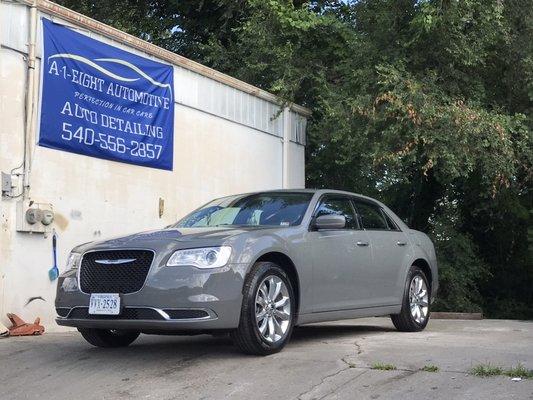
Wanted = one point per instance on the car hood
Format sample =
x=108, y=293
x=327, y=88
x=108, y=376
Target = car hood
x=169, y=237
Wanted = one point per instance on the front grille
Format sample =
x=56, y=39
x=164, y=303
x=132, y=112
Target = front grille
x=107, y=277
x=127, y=313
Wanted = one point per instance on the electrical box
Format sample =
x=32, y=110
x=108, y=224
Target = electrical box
x=7, y=185
x=34, y=217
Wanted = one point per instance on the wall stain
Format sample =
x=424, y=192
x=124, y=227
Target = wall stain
x=61, y=221
x=76, y=214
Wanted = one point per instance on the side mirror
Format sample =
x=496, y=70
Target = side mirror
x=330, y=222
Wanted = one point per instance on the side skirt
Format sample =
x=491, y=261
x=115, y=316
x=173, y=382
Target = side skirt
x=348, y=314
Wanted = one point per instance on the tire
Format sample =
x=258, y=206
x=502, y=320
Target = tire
x=411, y=321
x=108, y=338
x=248, y=336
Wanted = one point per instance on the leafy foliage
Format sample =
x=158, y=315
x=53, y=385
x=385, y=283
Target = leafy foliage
x=519, y=371
x=425, y=104
x=383, y=367
x=430, y=368
x=486, y=370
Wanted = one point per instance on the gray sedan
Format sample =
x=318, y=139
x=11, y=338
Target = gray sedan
x=254, y=265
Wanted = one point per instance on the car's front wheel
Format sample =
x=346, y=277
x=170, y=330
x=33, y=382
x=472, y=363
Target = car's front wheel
x=268, y=311
x=108, y=337
x=414, y=315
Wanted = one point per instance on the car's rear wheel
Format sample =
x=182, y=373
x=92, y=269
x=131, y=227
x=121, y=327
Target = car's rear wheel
x=415, y=312
x=268, y=311
x=108, y=337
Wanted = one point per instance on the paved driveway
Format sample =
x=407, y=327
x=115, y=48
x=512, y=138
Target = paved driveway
x=323, y=361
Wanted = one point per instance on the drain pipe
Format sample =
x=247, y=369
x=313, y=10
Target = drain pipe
x=30, y=99
x=285, y=143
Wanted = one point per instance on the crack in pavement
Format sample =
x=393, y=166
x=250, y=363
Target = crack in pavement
x=333, y=390
x=359, y=349
x=448, y=371
x=322, y=380
x=403, y=373
x=348, y=366
x=344, y=384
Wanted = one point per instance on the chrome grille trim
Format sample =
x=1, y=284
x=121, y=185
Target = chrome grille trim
x=210, y=314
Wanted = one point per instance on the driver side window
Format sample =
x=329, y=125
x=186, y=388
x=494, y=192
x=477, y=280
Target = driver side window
x=338, y=206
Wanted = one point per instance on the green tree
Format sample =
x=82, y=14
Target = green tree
x=182, y=26
x=425, y=104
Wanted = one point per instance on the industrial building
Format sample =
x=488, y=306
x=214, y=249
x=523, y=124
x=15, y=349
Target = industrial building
x=216, y=136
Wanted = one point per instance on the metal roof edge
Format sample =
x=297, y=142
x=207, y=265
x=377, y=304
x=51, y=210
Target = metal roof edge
x=166, y=55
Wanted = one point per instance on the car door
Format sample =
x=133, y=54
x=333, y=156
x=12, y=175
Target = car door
x=337, y=256
x=389, y=247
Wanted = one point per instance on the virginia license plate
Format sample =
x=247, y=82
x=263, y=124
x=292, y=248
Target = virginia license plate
x=104, y=304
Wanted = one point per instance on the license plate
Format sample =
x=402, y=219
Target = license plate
x=104, y=304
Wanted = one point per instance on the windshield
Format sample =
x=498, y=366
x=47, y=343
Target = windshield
x=261, y=209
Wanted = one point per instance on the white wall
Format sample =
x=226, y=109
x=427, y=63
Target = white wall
x=94, y=199
x=296, y=166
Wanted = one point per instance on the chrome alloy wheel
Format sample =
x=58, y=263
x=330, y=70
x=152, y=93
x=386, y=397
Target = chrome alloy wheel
x=272, y=309
x=418, y=299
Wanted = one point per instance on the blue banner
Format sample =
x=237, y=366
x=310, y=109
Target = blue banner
x=105, y=102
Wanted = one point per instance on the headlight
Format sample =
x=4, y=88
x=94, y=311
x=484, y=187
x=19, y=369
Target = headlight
x=73, y=261
x=206, y=257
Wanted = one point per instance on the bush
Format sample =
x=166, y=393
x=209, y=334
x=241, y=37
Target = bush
x=460, y=271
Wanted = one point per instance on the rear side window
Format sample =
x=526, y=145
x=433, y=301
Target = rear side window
x=338, y=206
x=391, y=223
x=371, y=216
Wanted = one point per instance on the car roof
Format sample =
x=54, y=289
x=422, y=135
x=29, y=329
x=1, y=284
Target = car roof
x=313, y=191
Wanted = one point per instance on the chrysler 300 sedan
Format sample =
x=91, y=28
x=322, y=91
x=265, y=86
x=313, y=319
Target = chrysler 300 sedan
x=255, y=265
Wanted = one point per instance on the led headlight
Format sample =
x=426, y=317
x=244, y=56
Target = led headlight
x=206, y=257
x=73, y=261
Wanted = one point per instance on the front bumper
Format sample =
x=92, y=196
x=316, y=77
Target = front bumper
x=171, y=299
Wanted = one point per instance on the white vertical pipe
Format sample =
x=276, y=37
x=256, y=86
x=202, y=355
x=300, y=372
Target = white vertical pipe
x=285, y=142
x=30, y=97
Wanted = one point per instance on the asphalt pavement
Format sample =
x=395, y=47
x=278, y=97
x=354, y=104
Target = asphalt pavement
x=323, y=361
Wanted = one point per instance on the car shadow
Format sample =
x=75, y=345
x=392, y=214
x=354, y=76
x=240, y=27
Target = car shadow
x=154, y=348
x=328, y=332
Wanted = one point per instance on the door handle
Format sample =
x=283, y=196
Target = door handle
x=401, y=243
x=362, y=244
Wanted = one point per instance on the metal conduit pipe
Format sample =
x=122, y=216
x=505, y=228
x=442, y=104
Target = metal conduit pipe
x=30, y=99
